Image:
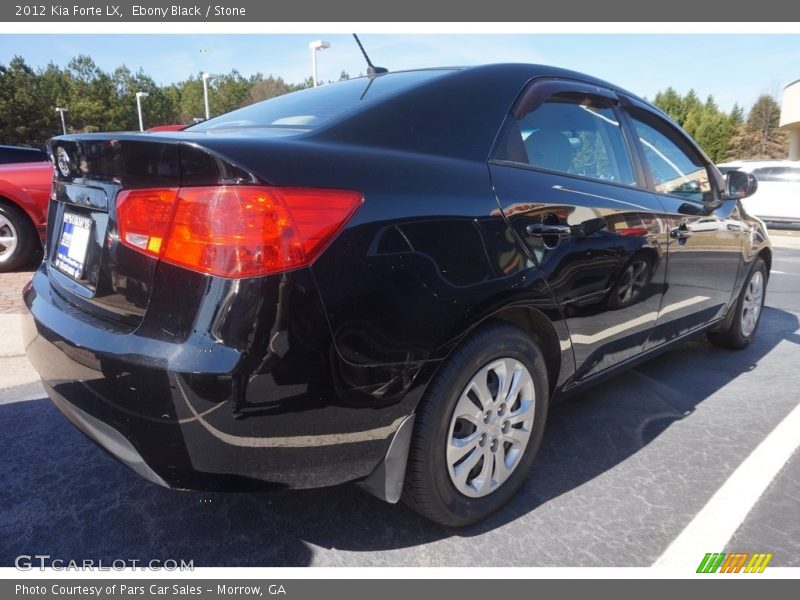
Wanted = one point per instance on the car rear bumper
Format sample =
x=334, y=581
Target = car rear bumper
x=105, y=436
x=199, y=415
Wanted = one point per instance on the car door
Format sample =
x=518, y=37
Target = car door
x=703, y=231
x=574, y=194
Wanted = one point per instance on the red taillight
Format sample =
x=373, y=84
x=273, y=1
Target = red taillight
x=234, y=231
x=143, y=217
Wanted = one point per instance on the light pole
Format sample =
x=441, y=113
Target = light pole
x=316, y=45
x=139, y=96
x=61, y=110
x=206, y=78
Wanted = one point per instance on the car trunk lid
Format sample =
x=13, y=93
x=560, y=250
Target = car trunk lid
x=87, y=262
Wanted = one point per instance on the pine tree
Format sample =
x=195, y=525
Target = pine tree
x=25, y=117
x=759, y=137
x=671, y=103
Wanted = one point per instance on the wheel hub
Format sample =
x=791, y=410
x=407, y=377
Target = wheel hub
x=490, y=427
x=751, y=304
x=8, y=239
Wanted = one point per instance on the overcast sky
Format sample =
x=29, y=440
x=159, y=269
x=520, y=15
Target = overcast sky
x=734, y=68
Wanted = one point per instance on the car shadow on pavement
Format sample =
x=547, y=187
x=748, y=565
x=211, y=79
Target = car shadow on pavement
x=64, y=497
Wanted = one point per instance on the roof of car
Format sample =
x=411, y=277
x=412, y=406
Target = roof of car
x=534, y=70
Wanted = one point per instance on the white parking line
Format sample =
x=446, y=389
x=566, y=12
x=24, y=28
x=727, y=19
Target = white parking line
x=715, y=524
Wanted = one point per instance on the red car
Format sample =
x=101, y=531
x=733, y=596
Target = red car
x=24, y=194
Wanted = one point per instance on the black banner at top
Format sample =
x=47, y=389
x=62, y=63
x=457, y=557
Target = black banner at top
x=406, y=11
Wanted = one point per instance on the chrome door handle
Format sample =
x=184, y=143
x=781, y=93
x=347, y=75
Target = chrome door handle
x=544, y=229
x=578, y=231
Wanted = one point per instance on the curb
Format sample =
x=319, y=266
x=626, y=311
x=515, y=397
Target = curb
x=15, y=370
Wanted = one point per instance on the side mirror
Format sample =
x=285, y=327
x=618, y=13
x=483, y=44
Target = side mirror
x=739, y=184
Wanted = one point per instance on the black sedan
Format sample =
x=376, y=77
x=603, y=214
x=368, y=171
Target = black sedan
x=385, y=280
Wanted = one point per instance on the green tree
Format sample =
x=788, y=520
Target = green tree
x=691, y=102
x=54, y=91
x=694, y=119
x=91, y=96
x=308, y=82
x=759, y=137
x=157, y=109
x=713, y=129
x=101, y=101
x=190, y=102
x=25, y=117
x=713, y=134
x=228, y=92
x=676, y=106
x=262, y=88
x=736, y=116
x=671, y=103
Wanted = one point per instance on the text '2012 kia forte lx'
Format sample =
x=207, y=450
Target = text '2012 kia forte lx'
x=384, y=280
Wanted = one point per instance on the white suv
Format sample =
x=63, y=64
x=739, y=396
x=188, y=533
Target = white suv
x=777, y=201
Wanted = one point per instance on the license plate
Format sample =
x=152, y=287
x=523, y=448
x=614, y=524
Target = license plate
x=74, y=243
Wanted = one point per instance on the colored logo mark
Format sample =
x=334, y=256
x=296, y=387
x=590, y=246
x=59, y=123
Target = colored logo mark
x=734, y=562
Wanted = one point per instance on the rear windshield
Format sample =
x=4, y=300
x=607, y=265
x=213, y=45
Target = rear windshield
x=308, y=109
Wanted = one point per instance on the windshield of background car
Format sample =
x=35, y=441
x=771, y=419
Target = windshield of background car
x=778, y=174
x=310, y=108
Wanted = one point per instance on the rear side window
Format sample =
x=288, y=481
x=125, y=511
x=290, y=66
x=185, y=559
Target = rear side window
x=308, y=109
x=675, y=168
x=571, y=133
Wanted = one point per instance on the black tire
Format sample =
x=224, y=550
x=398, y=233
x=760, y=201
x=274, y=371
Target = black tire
x=428, y=486
x=733, y=337
x=15, y=223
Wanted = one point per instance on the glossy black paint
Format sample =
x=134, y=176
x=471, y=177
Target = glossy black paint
x=301, y=379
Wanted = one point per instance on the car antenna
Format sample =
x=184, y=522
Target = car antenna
x=372, y=70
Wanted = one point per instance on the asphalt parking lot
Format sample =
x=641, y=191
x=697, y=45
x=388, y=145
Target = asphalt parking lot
x=623, y=469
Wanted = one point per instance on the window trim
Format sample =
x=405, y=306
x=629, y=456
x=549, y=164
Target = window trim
x=537, y=91
x=516, y=165
x=534, y=94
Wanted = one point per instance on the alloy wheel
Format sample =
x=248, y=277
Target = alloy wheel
x=752, y=302
x=9, y=239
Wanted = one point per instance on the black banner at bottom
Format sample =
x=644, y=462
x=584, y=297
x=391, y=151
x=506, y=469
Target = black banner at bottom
x=387, y=589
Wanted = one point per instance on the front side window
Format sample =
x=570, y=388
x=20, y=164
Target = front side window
x=572, y=133
x=674, y=167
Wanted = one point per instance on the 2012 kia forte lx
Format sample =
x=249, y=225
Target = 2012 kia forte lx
x=384, y=280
